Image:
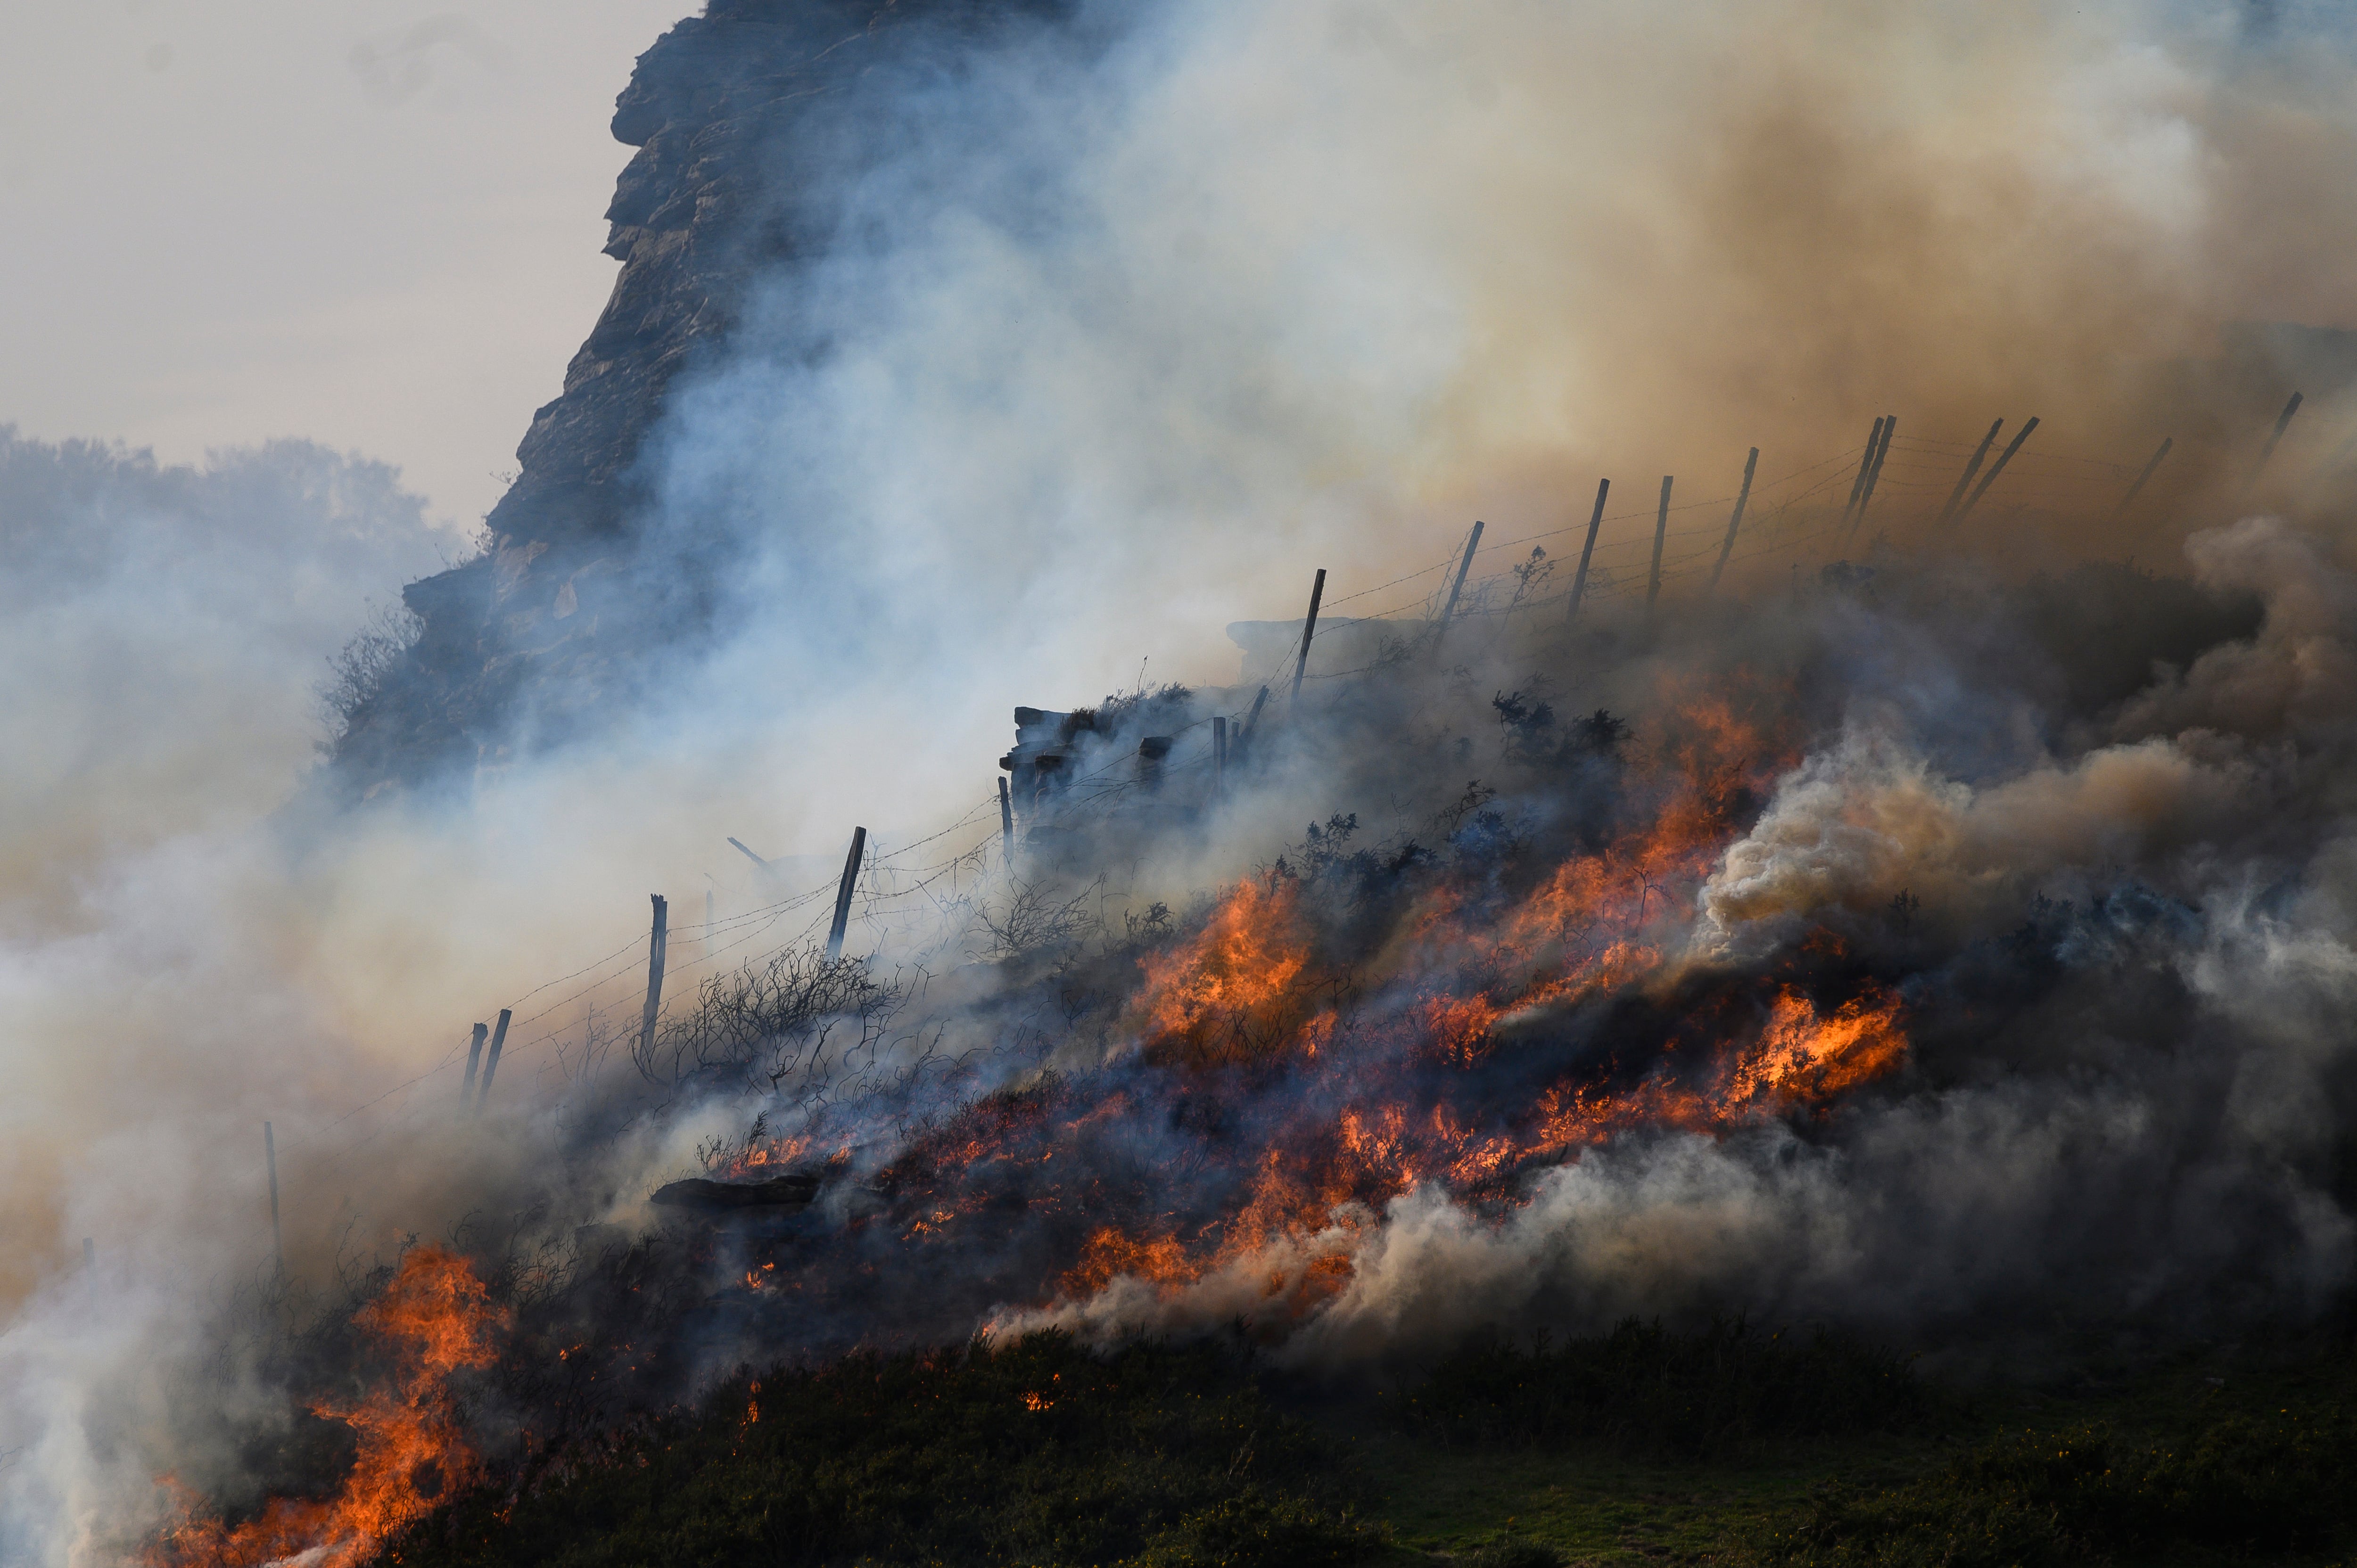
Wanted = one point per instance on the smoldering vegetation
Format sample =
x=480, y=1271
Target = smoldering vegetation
x=1921, y=956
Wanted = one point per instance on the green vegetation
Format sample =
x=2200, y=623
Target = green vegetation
x=1716, y=1392
x=1037, y=1453
x=1724, y=1446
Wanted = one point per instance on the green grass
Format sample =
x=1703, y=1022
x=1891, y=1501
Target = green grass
x=1724, y=1447
x=1711, y=1394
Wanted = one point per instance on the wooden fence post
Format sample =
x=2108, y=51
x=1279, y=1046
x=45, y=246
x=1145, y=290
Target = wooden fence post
x=277, y=1238
x=1661, y=531
x=1733, y=522
x=474, y=1061
x=1308, y=631
x=1595, y=522
x=1857, y=485
x=491, y=1061
x=1995, y=469
x=2137, y=488
x=1005, y=821
x=1980, y=454
x=1449, y=611
x=1251, y=728
x=2283, y=421
x=842, y=894
x=1873, y=476
x=1219, y=754
x=658, y=950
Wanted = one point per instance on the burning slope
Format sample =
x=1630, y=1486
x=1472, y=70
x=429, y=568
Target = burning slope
x=434, y=1320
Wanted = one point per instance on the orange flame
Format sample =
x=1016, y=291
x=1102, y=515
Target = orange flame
x=437, y=1319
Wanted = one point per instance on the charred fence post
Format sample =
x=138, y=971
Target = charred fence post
x=1005, y=822
x=277, y=1238
x=658, y=946
x=1865, y=462
x=1873, y=476
x=1579, y=581
x=1308, y=631
x=1734, y=521
x=1448, y=611
x=491, y=1062
x=2283, y=423
x=842, y=908
x=2137, y=488
x=1980, y=455
x=1997, y=467
x=1661, y=531
x=1219, y=755
x=474, y=1061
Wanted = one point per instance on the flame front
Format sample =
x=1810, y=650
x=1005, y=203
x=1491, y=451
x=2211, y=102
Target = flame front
x=435, y=1319
x=1302, y=1057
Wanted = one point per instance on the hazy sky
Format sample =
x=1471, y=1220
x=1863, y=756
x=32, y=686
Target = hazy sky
x=371, y=222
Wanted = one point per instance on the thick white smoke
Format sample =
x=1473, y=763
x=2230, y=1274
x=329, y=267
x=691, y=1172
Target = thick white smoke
x=1130, y=338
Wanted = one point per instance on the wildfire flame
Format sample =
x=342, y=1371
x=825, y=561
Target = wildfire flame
x=1415, y=1082
x=435, y=1319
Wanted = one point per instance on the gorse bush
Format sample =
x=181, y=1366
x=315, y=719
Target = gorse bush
x=1643, y=1386
x=1036, y=1453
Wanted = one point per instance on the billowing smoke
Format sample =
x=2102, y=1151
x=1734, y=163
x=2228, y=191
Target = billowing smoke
x=2006, y=917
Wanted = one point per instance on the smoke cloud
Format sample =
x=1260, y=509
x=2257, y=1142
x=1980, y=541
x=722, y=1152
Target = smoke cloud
x=1135, y=322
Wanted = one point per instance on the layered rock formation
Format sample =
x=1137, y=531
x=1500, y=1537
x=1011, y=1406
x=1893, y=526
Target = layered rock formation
x=749, y=122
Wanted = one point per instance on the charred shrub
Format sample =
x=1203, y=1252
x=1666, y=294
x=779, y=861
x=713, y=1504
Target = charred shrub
x=1035, y=1452
x=1712, y=1392
x=759, y=1025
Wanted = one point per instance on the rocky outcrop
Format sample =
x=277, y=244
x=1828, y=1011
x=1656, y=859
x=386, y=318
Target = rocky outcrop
x=747, y=122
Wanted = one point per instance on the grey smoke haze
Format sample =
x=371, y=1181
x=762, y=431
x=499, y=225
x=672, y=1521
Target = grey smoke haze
x=369, y=222
x=1125, y=339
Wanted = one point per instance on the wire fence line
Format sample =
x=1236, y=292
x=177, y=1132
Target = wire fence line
x=1917, y=475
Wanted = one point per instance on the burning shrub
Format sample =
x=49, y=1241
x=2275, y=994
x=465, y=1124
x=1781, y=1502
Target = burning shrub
x=435, y=1319
x=1718, y=1391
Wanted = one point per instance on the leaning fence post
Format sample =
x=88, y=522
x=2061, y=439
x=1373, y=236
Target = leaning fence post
x=1472, y=542
x=491, y=1062
x=1735, y=521
x=1005, y=822
x=1661, y=531
x=474, y=1061
x=1857, y=485
x=1995, y=469
x=1980, y=454
x=842, y=902
x=2283, y=421
x=2137, y=488
x=277, y=1238
x=1308, y=631
x=1873, y=478
x=1595, y=522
